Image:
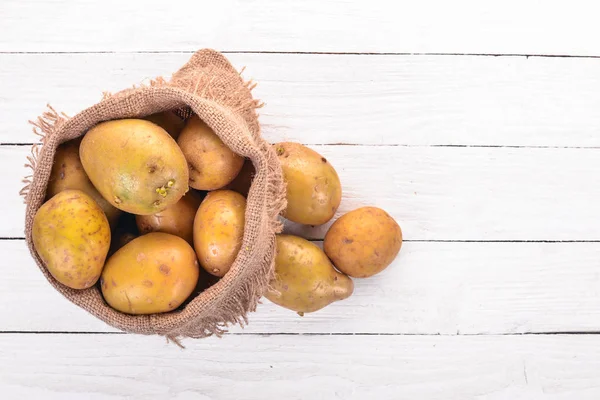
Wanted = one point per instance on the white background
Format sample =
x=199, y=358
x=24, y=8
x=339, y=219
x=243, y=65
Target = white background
x=475, y=124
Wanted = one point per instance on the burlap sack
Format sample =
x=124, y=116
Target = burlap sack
x=209, y=86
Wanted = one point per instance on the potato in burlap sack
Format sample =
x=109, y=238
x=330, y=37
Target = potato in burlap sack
x=210, y=87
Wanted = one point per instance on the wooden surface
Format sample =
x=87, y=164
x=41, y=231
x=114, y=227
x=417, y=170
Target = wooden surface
x=489, y=163
x=301, y=367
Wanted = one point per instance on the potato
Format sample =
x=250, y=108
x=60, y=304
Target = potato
x=154, y=273
x=243, y=181
x=305, y=280
x=169, y=121
x=363, y=242
x=135, y=165
x=219, y=230
x=177, y=220
x=67, y=173
x=314, y=191
x=212, y=164
x=72, y=237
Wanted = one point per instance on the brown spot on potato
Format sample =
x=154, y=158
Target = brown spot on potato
x=147, y=283
x=164, y=269
x=347, y=240
x=323, y=159
x=112, y=281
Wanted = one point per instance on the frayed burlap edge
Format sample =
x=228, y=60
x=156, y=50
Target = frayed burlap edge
x=190, y=90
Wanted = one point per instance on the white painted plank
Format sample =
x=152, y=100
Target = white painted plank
x=461, y=26
x=300, y=367
x=432, y=288
x=408, y=100
x=436, y=193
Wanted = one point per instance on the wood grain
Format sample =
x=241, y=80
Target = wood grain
x=431, y=288
x=435, y=193
x=428, y=26
x=325, y=99
x=300, y=367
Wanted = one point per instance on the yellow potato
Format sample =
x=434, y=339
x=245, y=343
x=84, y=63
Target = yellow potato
x=154, y=273
x=67, y=173
x=305, y=280
x=169, y=121
x=314, y=191
x=219, y=230
x=135, y=165
x=363, y=242
x=212, y=164
x=177, y=220
x=72, y=236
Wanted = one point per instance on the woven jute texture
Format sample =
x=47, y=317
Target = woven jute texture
x=210, y=87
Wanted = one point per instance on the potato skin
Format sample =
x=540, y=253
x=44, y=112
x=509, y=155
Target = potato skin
x=67, y=173
x=305, y=280
x=153, y=273
x=314, y=191
x=177, y=219
x=219, y=230
x=135, y=165
x=169, y=121
x=212, y=164
x=72, y=236
x=363, y=242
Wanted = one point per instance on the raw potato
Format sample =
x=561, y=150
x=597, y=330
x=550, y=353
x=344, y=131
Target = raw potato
x=72, y=237
x=177, y=220
x=314, y=191
x=67, y=173
x=305, y=280
x=169, y=121
x=135, y=165
x=219, y=230
x=363, y=242
x=212, y=164
x=243, y=181
x=154, y=273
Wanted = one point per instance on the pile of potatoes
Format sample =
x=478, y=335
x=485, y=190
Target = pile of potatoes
x=153, y=210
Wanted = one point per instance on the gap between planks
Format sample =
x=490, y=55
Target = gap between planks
x=549, y=333
x=316, y=53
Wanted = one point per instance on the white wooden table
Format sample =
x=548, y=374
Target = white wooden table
x=475, y=124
